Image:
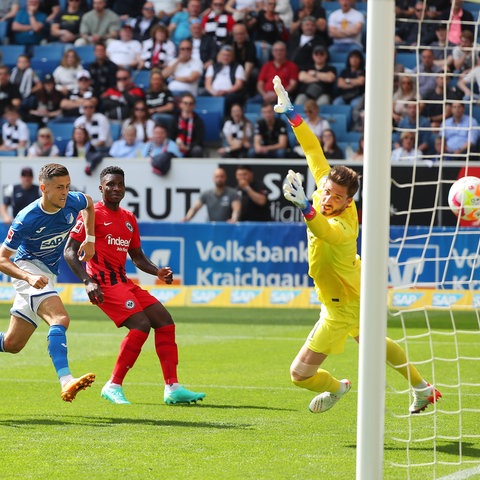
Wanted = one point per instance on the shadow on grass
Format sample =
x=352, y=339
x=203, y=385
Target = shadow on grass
x=224, y=407
x=468, y=449
x=102, y=422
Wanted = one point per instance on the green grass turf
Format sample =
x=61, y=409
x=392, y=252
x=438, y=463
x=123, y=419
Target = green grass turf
x=253, y=423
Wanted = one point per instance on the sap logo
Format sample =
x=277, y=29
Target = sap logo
x=476, y=301
x=79, y=295
x=314, y=298
x=164, y=295
x=243, y=296
x=7, y=293
x=405, y=299
x=282, y=297
x=53, y=242
x=204, y=296
x=445, y=299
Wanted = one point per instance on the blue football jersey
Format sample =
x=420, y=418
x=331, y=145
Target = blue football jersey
x=39, y=235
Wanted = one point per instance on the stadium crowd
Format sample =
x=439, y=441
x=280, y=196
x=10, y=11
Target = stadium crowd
x=96, y=76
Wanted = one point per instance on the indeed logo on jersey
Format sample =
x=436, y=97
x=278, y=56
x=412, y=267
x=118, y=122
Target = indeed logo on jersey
x=118, y=242
x=53, y=242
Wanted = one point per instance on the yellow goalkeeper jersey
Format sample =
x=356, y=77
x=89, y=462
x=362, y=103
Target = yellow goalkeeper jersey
x=334, y=264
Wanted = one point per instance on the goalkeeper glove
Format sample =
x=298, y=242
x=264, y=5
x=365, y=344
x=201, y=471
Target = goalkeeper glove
x=284, y=104
x=293, y=192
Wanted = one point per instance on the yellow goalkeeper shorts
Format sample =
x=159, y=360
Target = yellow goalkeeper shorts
x=335, y=324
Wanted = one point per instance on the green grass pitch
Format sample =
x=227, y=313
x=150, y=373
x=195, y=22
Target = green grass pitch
x=253, y=424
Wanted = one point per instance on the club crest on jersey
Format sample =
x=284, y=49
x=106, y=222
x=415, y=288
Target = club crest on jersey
x=129, y=226
x=130, y=304
x=70, y=218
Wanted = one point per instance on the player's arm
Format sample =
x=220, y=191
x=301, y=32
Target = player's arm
x=142, y=262
x=86, y=250
x=94, y=291
x=9, y=268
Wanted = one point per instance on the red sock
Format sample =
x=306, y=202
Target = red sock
x=167, y=352
x=129, y=351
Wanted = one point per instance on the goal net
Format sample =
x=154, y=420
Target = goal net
x=434, y=258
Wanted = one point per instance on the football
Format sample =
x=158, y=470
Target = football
x=464, y=198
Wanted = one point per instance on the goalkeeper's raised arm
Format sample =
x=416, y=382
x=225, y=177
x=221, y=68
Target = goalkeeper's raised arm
x=309, y=142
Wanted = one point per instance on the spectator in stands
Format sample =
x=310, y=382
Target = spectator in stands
x=405, y=93
x=218, y=23
x=8, y=10
x=241, y=10
x=118, y=101
x=253, y=196
x=462, y=58
x=183, y=73
x=310, y=8
x=143, y=23
x=66, y=73
x=237, y=133
x=436, y=8
x=99, y=24
x=267, y=29
x=80, y=145
x=125, y=51
x=27, y=81
x=158, y=50
x=351, y=81
x=44, y=146
x=433, y=104
x=459, y=20
x=126, y=9
x=103, y=71
x=179, y=26
x=245, y=53
x=358, y=153
x=328, y=141
x=128, y=146
x=18, y=196
x=47, y=102
x=9, y=93
x=161, y=149
x=302, y=43
x=439, y=152
x=188, y=129
x=65, y=27
x=204, y=47
x=313, y=118
x=285, y=11
x=140, y=119
x=165, y=9
x=426, y=79
x=51, y=8
x=317, y=82
x=96, y=124
x=270, y=138
x=406, y=151
x=413, y=120
x=226, y=78
x=15, y=134
x=29, y=26
x=345, y=27
x=223, y=203
x=404, y=8
x=415, y=32
x=469, y=84
x=281, y=66
x=440, y=47
x=460, y=131
x=72, y=104
x=159, y=99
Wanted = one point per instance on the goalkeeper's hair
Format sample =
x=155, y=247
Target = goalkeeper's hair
x=346, y=177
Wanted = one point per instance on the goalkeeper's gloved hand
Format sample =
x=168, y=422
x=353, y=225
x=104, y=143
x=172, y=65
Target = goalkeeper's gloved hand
x=293, y=192
x=284, y=104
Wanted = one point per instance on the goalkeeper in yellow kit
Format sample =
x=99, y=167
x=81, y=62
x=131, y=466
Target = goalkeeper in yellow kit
x=334, y=265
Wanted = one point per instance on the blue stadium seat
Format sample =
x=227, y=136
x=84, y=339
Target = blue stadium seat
x=142, y=78
x=62, y=133
x=32, y=129
x=252, y=107
x=10, y=54
x=330, y=7
x=115, y=130
x=476, y=112
x=49, y=51
x=211, y=110
x=8, y=153
x=353, y=138
x=86, y=53
x=407, y=59
x=43, y=66
x=346, y=110
x=253, y=117
x=339, y=66
x=338, y=123
x=337, y=57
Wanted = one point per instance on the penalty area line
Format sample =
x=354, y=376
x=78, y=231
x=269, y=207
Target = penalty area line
x=463, y=474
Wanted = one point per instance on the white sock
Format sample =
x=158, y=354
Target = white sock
x=422, y=386
x=171, y=388
x=65, y=379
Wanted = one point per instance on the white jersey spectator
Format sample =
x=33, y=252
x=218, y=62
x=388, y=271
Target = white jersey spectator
x=96, y=124
x=125, y=52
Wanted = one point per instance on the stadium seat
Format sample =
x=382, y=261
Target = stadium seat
x=62, y=133
x=10, y=54
x=142, y=78
x=407, y=59
x=43, y=66
x=211, y=110
x=115, y=130
x=338, y=123
x=330, y=7
x=8, y=153
x=253, y=117
x=352, y=137
x=337, y=57
x=252, y=107
x=86, y=53
x=339, y=66
x=49, y=51
x=346, y=110
x=32, y=129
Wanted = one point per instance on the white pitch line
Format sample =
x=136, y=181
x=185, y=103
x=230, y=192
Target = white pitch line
x=463, y=474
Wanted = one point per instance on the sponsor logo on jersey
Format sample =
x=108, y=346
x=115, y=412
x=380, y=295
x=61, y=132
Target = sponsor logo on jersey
x=117, y=241
x=53, y=242
x=40, y=230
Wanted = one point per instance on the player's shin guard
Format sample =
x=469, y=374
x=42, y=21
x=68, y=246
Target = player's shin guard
x=57, y=349
x=397, y=359
x=167, y=352
x=129, y=351
x=322, y=381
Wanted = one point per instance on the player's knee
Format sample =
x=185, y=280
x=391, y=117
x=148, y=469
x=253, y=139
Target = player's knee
x=300, y=371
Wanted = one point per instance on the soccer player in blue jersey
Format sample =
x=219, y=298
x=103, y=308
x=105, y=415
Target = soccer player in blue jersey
x=37, y=236
x=334, y=265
